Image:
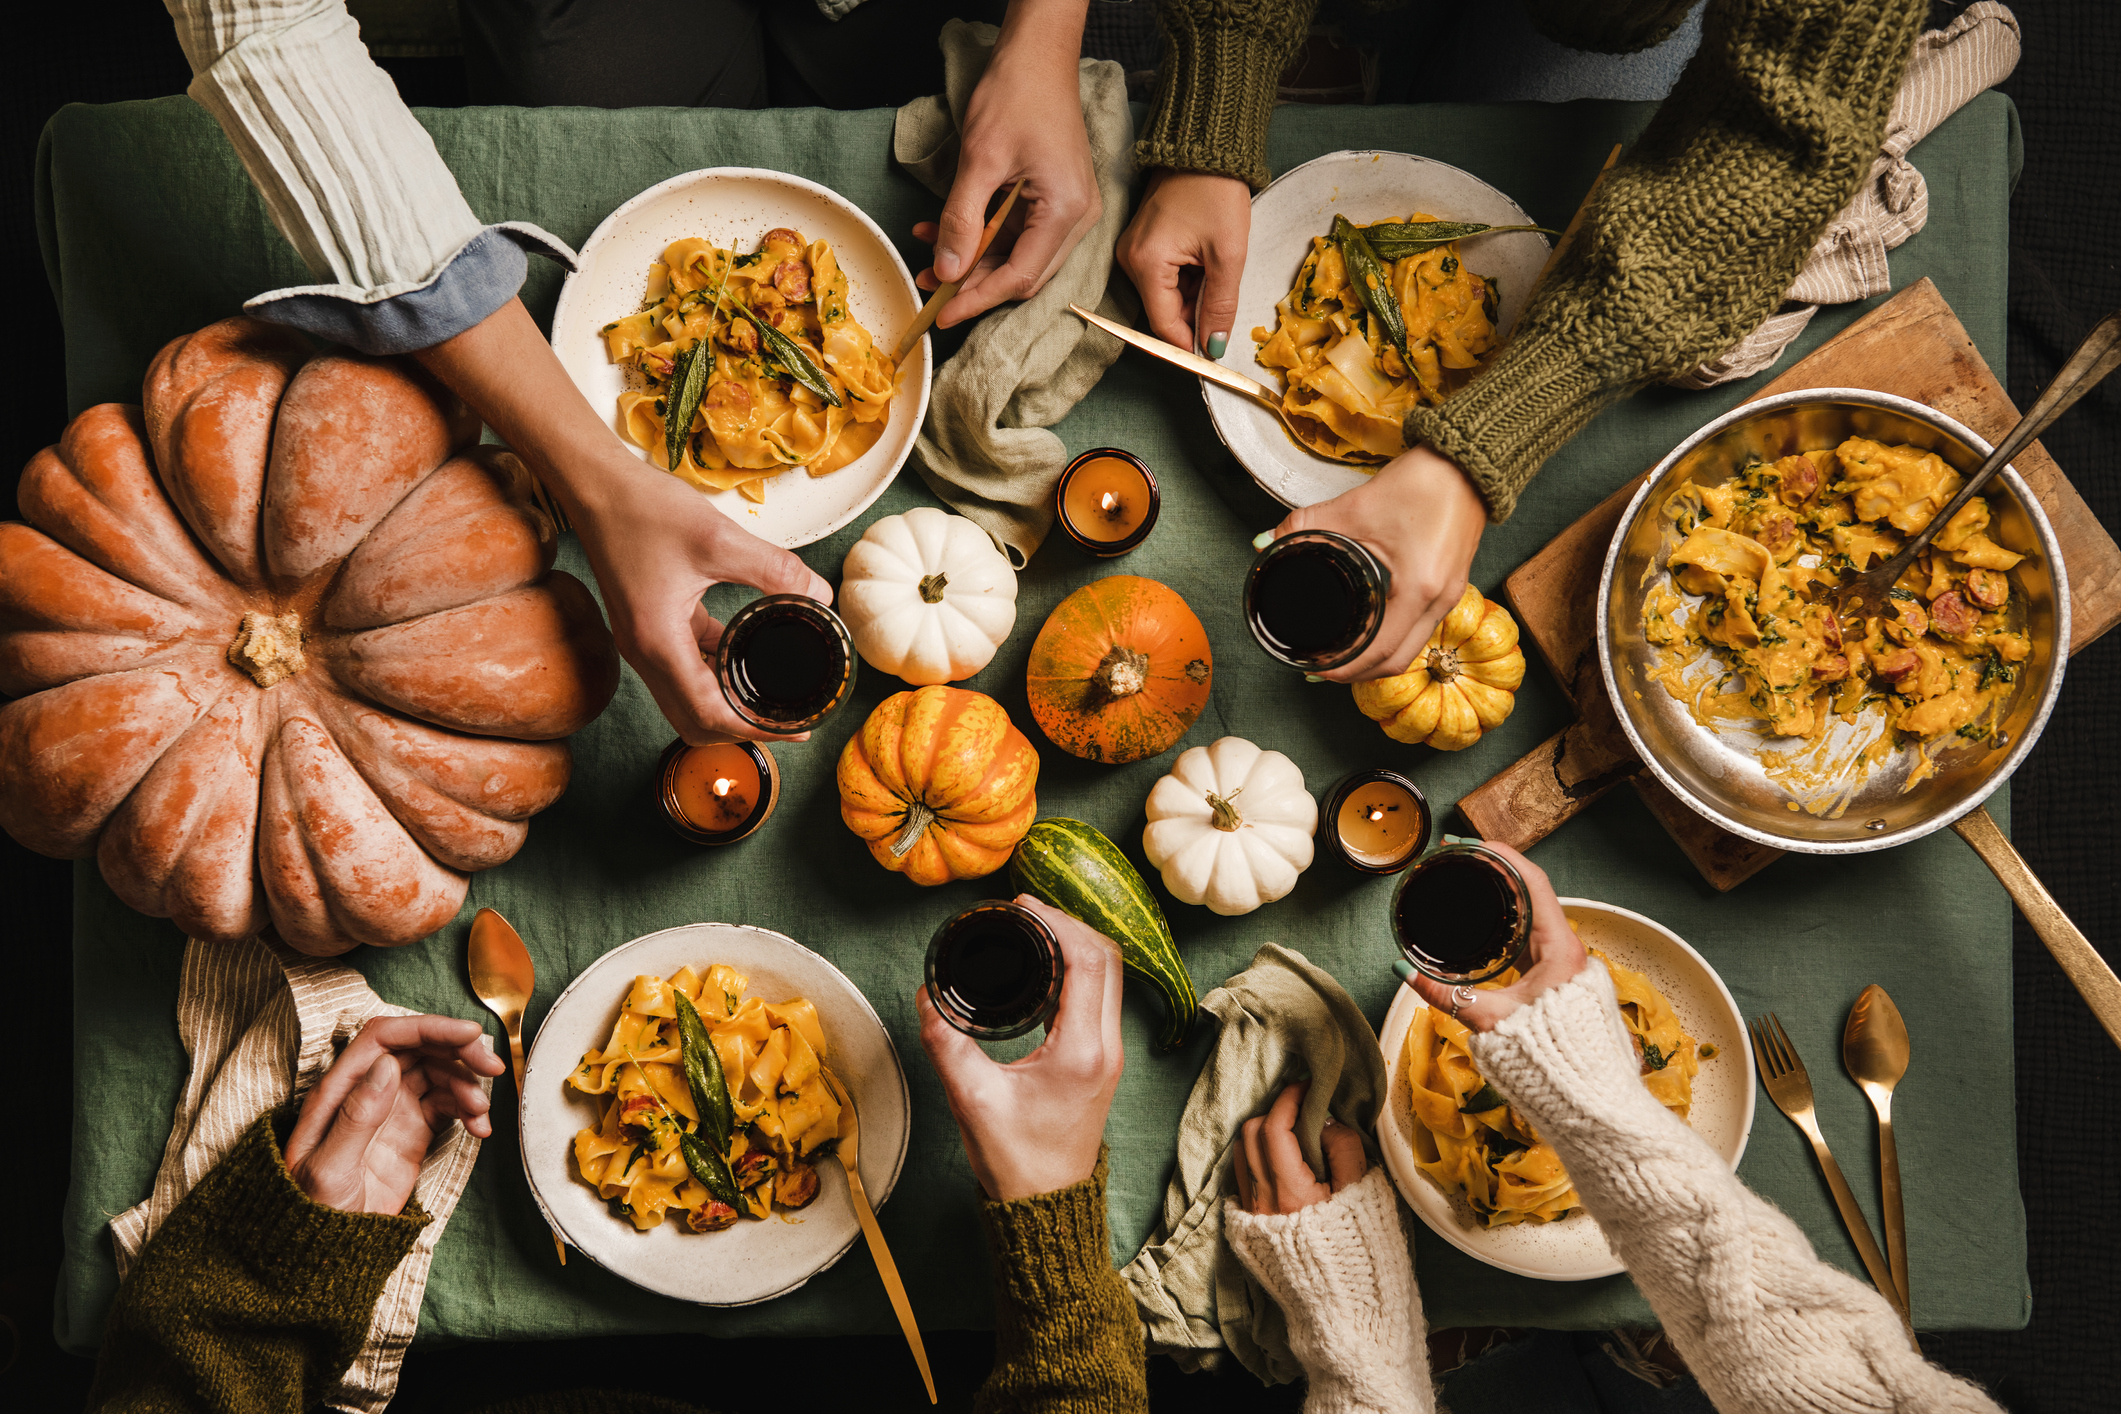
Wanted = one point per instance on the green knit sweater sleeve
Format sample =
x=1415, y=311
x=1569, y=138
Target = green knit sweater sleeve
x=1067, y=1339
x=1697, y=233
x=1222, y=62
x=250, y=1298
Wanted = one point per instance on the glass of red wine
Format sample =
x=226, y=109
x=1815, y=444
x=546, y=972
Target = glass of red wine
x=786, y=663
x=994, y=971
x=1462, y=915
x=1315, y=599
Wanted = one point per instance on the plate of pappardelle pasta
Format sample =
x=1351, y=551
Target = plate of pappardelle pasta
x=680, y=1112
x=1350, y=368
x=764, y=310
x=1481, y=1177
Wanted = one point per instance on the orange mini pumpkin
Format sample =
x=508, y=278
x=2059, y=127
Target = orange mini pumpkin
x=288, y=647
x=940, y=783
x=1120, y=671
x=1463, y=684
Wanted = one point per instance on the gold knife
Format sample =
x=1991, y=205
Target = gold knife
x=944, y=293
x=1193, y=363
x=849, y=1154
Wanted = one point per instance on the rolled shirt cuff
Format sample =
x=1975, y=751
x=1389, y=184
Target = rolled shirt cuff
x=482, y=275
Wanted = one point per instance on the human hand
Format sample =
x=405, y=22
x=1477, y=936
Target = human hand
x=656, y=545
x=1185, y=252
x=1555, y=955
x=366, y=1128
x=1421, y=517
x=1272, y=1174
x=1034, y=1125
x=1024, y=121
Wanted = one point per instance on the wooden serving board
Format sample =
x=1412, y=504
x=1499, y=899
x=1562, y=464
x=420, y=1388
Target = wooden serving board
x=1912, y=346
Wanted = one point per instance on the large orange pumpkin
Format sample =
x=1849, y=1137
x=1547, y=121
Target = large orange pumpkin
x=288, y=648
x=940, y=783
x=1120, y=671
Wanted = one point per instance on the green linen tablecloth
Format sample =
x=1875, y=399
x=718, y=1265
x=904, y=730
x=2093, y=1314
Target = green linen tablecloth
x=150, y=229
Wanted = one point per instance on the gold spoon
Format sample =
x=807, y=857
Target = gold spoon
x=1874, y=1048
x=849, y=1153
x=503, y=977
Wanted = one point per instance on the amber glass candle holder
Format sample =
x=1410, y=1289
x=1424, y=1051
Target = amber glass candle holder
x=1107, y=501
x=1315, y=599
x=786, y=663
x=720, y=792
x=1462, y=915
x=1375, y=822
x=994, y=971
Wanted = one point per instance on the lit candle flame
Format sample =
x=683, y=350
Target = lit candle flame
x=722, y=785
x=1109, y=503
x=1377, y=813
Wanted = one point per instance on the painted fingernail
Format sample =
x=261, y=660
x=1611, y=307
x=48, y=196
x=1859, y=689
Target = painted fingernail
x=1217, y=343
x=1458, y=839
x=1313, y=677
x=1262, y=540
x=1403, y=970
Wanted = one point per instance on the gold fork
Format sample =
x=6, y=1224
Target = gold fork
x=1790, y=1087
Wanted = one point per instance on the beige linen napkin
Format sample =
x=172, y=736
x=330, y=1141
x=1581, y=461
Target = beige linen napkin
x=1949, y=66
x=262, y=1023
x=984, y=448
x=1282, y=1018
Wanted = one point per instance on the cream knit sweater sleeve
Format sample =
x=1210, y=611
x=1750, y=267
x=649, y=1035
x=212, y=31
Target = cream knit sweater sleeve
x=1765, y=1325
x=1341, y=1273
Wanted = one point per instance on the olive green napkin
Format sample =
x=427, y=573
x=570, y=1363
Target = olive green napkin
x=1282, y=1018
x=985, y=449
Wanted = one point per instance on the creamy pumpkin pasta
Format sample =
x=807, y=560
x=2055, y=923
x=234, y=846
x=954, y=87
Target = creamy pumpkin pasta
x=1756, y=563
x=715, y=1104
x=1475, y=1145
x=757, y=359
x=1363, y=338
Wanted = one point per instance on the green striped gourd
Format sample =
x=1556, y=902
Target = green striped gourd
x=1074, y=867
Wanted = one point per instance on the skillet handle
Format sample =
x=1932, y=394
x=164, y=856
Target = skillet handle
x=2081, y=963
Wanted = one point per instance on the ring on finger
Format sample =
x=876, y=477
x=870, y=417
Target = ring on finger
x=1460, y=996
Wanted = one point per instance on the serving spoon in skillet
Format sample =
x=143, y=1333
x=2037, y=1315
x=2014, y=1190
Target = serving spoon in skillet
x=2097, y=356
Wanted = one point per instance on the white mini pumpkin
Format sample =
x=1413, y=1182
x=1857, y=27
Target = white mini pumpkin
x=1230, y=826
x=927, y=596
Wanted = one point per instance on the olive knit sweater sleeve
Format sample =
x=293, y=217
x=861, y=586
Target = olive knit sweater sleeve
x=1696, y=234
x=250, y=1298
x=1222, y=62
x=1067, y=1339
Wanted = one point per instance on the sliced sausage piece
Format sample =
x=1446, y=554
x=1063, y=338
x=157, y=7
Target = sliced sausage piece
x=711, y=1216
x=739, y=336
x=1895, y=665
x=1778, y=533
x=1988, y=588
x=781, y=235
x=792, y=279
x=1834, y=667
x=1952, y=616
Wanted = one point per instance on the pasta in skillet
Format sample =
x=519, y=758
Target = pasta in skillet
x=1354, y=365
x=646, y=1154
x=792, y=379
x=1475, y=1145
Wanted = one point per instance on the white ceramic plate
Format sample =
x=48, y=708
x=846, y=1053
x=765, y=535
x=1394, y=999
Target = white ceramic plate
x=734, y=207
x=753, y=1261
x=1574, y=1249
x=1300, y=204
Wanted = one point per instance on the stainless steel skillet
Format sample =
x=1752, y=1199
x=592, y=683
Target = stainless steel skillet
x=1719, y=771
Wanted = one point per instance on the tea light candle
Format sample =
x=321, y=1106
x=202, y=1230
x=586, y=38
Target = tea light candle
x=1378, y=821
x=1107, y=501
x=719, y=792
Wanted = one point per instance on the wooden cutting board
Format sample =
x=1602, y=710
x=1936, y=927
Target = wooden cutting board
x=1913, y=346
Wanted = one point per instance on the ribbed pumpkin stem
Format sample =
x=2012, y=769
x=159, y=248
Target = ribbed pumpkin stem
x=932, y=587
x=918, y=818
x=1443, y=664
x=1122, y=672
x=1226, y=817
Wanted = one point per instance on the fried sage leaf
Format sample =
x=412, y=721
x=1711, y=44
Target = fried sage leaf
x=703, y=1076
x=1396, y=240
x=789, y=354
x=688, y=384
x=711, y=1169
x=1373, y=282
